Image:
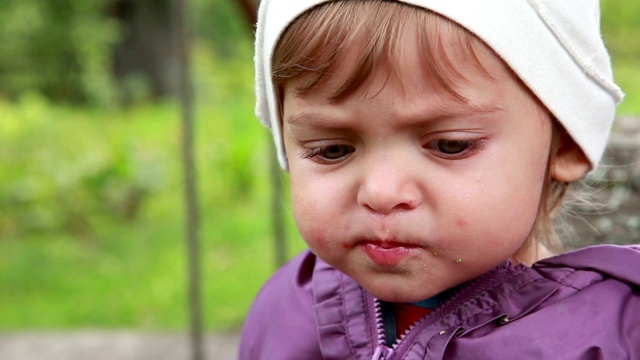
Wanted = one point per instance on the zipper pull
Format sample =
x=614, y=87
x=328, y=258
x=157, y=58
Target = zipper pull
x=382, y=353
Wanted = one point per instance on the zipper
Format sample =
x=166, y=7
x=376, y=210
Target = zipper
x=374, y=308
x=461, y=295
x=377, y=328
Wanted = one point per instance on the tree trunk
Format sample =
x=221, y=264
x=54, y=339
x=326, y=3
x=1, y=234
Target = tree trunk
x=145, y=63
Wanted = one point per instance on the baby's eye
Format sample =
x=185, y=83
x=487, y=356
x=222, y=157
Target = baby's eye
x=450, y=148
x=329, y=153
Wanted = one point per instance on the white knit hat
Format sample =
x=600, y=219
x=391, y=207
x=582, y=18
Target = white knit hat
x=554, y=46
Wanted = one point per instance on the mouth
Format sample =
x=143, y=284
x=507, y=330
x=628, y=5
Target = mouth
x=387, y=253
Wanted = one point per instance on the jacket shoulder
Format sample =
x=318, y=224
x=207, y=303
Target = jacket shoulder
x=281, y=322
x=579, y=305
x=592, y=314
x=621, y=263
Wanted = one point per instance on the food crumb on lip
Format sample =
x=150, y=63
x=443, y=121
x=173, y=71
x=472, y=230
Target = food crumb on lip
x=389, y=244
x=381, y=244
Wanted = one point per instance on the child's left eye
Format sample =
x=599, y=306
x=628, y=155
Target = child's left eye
x=451, y=148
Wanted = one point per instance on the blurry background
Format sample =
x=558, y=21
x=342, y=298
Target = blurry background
x=91, y=208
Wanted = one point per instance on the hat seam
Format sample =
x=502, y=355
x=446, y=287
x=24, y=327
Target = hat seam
x=586, y=65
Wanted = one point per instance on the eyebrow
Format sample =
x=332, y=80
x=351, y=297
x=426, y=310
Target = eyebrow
x=309, y=119
x=312, y=119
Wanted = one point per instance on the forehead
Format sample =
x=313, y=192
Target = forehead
x=406, y=84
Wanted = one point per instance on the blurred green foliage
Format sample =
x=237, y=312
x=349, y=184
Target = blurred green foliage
x=65, y=164
x=621, y=32
x=63, y=49
x=621, y=28
x=59, y=48
x=91, y=232
x=222, y=25
x=62, y=167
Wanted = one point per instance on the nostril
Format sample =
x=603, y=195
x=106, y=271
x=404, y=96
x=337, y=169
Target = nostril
x=411, y=203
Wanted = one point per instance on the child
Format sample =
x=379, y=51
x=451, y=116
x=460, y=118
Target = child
x=428, y=143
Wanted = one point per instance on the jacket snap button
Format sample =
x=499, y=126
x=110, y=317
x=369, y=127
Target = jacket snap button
x=503, y=320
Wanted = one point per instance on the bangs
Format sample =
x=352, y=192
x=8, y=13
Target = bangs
x=315, y=45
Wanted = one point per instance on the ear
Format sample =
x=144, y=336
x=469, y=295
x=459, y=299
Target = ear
x=570, y=163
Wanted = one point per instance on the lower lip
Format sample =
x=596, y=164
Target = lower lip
x=388, y=255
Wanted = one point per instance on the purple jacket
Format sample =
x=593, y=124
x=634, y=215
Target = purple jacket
x=580, y=305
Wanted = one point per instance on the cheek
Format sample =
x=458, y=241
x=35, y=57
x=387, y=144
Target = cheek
x=497, y=207
x=313, y=211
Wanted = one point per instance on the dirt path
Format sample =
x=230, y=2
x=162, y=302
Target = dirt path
x=111, y=345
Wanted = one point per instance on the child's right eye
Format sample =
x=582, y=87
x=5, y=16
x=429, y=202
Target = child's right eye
x=328, y=154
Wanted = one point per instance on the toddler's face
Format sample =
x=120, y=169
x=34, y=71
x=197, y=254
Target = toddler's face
x=409, y=190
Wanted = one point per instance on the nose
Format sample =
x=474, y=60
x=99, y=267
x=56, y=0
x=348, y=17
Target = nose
x=389, y=185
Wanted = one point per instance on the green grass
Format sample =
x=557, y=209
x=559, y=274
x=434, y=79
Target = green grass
x=132, y=276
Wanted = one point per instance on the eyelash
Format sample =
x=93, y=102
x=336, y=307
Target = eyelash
x=318, y=152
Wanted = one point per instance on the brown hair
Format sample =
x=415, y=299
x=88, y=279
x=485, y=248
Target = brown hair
x=314, y=45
